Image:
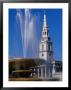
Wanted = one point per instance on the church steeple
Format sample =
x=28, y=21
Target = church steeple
x=45, y=31
x=45, y=46
x=44, y=23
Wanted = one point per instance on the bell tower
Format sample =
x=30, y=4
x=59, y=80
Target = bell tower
x=45, y=46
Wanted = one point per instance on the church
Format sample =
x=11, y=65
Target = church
x=45, y=46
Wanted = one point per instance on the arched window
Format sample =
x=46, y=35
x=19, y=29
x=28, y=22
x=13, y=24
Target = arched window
x=45, y=33
x=42, y=47
x=48, y=47
x=42, y=54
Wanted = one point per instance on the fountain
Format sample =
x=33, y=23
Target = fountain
x=28, y=34
x=30, y=46
x=29, y=41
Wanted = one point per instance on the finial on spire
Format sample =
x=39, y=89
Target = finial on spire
x=44, y=25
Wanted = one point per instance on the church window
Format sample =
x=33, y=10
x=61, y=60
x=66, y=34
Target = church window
x=45, y=33
x=42, y=47
x=42, y=54
x=48, y=47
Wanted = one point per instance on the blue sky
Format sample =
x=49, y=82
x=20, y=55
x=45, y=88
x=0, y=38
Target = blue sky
x=54, y=22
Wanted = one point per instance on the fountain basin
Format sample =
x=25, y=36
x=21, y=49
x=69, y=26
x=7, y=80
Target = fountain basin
x=20, y=67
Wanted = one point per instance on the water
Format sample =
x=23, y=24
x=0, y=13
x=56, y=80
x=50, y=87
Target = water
x=20, y=21
x=28, y=34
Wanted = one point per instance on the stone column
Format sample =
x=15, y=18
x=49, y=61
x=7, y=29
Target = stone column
x=53, y=70
x=38, y=72
x=41, y=72
x=45, y=72
x=49, y=73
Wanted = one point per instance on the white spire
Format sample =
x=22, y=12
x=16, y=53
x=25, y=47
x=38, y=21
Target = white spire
x=44, y=25
x=44, y=31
